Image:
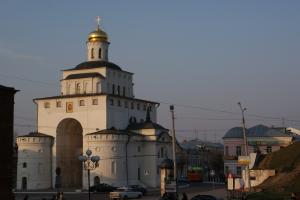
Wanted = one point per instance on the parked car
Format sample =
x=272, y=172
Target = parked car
x=183, y=181
x=138, y=188
x=125, y=193
x=204, y=197
x=102, y=187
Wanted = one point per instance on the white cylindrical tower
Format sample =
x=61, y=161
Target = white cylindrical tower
x=110, y=146
x=97, y=45
x=34, y=161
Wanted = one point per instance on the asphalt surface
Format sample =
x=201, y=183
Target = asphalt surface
x=194, y=189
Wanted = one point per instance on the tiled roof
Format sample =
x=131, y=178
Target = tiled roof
x=145, y=125
x=36, y=134
x=114, y=131
x=84, y=75
x=236, y=132
x=94, y=94
x=2, y=87
x=256, y=131
x=97, y=64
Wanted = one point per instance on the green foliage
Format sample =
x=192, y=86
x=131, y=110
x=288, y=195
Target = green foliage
x=284, y=160
x=268, y=195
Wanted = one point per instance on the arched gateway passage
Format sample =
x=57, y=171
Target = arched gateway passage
x=68, y=148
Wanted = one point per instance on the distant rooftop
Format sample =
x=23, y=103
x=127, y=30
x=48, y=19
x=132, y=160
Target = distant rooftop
x=196, y=143
x=256, y=131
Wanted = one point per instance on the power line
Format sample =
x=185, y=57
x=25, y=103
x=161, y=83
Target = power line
x=28, y=80
x=168, y=103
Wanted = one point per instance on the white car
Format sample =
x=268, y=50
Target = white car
x=124, y=193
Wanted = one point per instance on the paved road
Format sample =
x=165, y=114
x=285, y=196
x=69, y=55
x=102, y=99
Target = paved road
x=196, y=188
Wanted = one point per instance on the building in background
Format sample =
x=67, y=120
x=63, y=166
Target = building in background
x=7, y=141
x=261, y=139
x=96, y=110
x=202, y=157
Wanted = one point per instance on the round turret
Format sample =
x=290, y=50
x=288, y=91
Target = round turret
x=34, y=161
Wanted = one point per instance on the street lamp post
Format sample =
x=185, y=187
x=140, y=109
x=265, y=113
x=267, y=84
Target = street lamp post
x=246, y=145
x=89, y=163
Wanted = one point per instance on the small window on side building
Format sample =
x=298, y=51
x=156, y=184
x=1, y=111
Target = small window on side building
x=238, y=150
x=47, y=105
x=238, y=171
x=111, y=102
x=58, y=104
x=81, y=103
x=95, y=102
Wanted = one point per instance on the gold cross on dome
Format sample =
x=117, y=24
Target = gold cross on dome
x=98, y=19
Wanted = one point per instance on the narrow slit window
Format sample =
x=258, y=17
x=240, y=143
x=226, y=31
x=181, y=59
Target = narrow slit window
x=92, y=53
x=99, y=53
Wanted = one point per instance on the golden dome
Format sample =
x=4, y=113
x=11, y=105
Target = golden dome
x=97, y=35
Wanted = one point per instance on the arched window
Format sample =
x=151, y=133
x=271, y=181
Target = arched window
x=226, y=151
x=24, y=165
x=113, y=89
x=119, y=92
x=92, y=53
x=99, y=53
x=77, y=88
x=98, y=87
x=113, y=167
x=68, y=88
x=124, y=91
x=85, y=87
x=24, y=183
x=96, y=180
x=139, y=173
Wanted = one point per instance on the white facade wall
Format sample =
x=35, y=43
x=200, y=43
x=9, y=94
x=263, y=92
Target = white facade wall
x=118, y=116
x=110, y=147
x=140, y=154
x=91, y=117
x=112, y=77
x=36, y=152
x=87, y=86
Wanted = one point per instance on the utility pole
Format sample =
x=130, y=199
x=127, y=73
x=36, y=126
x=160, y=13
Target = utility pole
x=245, y=144
x=173, y=143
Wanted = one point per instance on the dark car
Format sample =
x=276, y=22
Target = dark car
x=183, y=181
x=138, y=188
x=204, y=197
x=102, y=187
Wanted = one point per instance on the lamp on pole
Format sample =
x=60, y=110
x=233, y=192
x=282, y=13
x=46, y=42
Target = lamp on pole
x=245, y=143
x=89, y=163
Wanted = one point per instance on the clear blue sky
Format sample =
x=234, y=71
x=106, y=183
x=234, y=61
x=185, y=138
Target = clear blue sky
x=210, y=54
